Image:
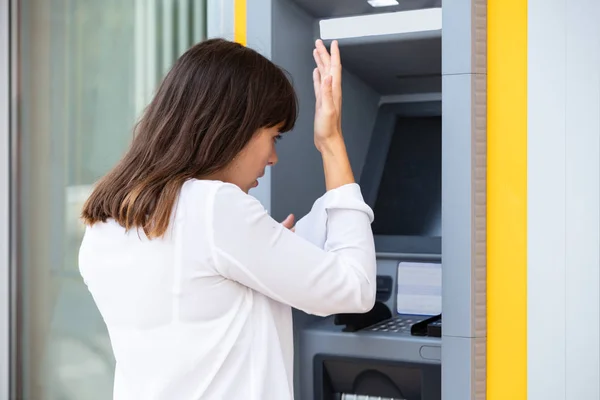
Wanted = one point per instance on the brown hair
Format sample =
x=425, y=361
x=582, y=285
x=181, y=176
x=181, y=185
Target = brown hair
x=217, y=95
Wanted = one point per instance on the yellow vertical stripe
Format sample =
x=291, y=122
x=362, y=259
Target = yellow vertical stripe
x=239, y=20
x=507, y=200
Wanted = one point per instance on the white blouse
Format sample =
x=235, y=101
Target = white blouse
x=205, y=311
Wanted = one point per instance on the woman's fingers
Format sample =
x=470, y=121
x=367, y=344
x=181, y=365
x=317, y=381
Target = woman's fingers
x=319, y=63
x=330, y=65
x=324, y=55
x=289, y=222
x=336, y=72
x=317, y=86
x=335, y=61
x=327, y=77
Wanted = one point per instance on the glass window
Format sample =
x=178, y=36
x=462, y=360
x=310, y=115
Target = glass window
x=85, y=70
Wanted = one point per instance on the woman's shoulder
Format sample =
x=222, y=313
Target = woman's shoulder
x=213, y=193
x=219, y=203
x=208, y=188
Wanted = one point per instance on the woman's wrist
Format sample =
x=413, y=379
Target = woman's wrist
x=336, y=163
x=331, y=144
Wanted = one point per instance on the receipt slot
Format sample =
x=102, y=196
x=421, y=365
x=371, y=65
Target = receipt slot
x=414, y=124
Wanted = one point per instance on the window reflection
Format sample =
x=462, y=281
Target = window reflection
x=86, y=69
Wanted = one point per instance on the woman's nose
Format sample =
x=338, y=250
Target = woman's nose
x=273, y=158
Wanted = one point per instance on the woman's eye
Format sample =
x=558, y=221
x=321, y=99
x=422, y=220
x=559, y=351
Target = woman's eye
x=277, y=138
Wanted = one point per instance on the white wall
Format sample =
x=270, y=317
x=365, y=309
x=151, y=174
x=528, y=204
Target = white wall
x=563, y=199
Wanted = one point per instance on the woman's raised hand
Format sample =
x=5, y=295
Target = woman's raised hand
x=327, y=80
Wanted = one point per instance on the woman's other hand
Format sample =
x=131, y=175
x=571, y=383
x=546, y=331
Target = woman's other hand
x=327, y=80
x=289, y=222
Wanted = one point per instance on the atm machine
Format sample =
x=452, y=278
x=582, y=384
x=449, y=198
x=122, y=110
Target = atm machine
x=414, y=111
x=393, y=352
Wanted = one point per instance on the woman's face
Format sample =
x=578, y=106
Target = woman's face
x=251, y=162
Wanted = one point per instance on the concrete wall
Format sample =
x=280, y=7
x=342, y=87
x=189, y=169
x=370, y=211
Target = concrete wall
x=563, y=199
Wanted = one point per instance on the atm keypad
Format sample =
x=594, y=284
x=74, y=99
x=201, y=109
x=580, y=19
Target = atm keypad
x=398, y=324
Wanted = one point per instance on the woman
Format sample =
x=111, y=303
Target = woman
x=194, y=279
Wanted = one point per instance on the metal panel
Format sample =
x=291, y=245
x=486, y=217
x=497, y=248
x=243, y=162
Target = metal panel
x=464, y=49
x=457, y=207
x=464, y=154
x=4, y=200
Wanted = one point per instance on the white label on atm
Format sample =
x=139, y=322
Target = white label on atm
x=419, y=288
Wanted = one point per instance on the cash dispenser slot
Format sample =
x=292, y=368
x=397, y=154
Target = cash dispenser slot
x=369, y=363
x=391, y=119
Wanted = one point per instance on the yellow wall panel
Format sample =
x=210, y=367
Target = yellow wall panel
x=239, y=20
x=507, y=200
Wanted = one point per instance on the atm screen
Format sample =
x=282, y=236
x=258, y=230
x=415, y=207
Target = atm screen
x=409, y=196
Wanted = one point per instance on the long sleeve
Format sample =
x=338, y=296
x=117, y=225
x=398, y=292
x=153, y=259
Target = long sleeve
x=313, y=226
x=253, y=249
